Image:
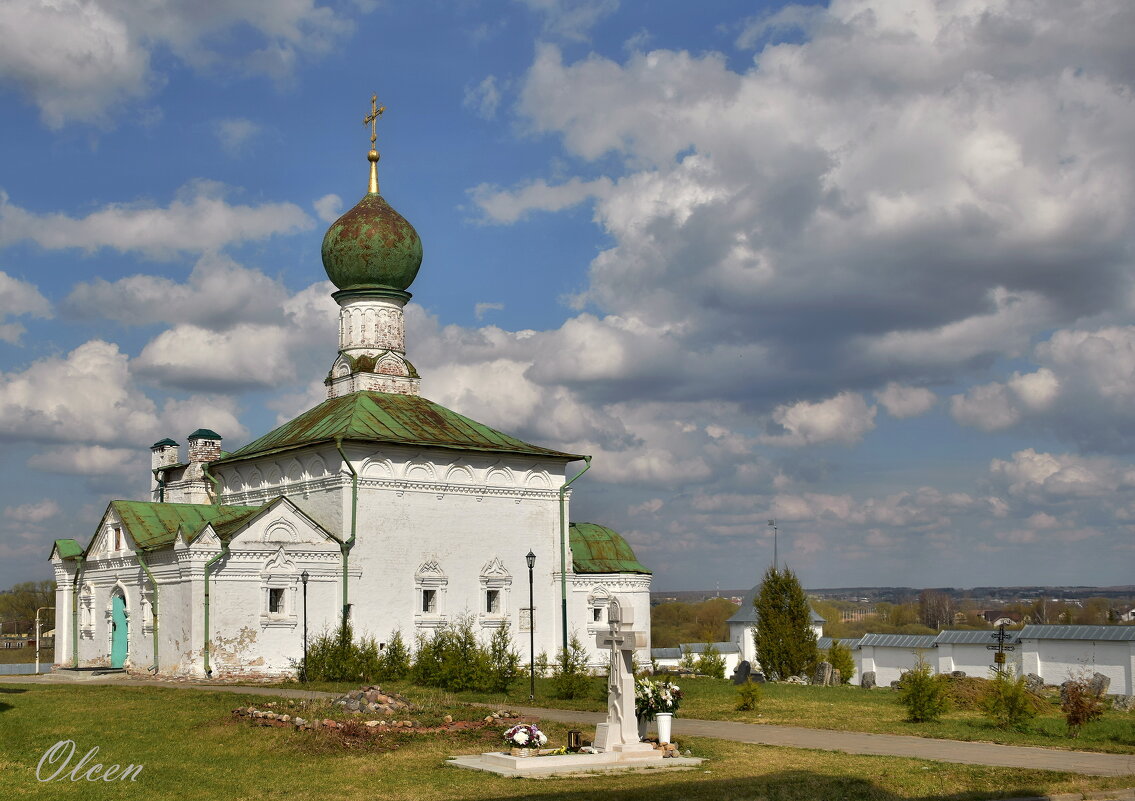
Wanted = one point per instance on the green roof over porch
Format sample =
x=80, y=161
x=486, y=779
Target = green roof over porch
x=155, y=525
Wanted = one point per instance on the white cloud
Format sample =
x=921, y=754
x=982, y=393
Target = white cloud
x=571, y=19
x=889, y=198
x=199, y=220
x=845, y=419
x=80, y=59
x=328, y=208
x=509, y=205
x=1047, y=478
x=219, y=292
x=484, y=98
x=85, y=396
x=19, y=298
x=480, y=309
x=235, y=133
x=903, y=401
x=90, y=460
x=32, y=512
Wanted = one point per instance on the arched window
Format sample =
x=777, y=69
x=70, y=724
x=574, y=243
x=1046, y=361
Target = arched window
x=278, y=587
x=496, y=583
x=430, y=584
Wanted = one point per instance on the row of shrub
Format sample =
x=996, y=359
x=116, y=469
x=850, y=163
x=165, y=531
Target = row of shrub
x=452, y=658
x=1005, y=700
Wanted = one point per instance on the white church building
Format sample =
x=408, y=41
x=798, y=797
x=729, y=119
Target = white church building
x=377, y=504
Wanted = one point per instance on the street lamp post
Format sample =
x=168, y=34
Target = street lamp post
x=304, y=576
x=531, y=559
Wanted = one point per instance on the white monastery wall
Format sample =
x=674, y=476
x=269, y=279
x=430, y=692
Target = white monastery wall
x=1057, y=661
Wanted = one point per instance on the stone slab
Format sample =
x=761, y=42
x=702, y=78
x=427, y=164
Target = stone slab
x=567, y=764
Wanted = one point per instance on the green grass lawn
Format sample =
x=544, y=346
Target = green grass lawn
x=840, y=708
x=191, y=747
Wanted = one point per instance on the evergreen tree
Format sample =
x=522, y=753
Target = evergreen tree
x=786, y=643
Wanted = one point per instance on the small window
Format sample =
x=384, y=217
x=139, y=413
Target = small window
x=276, y=600
x=429, y=600
x=117, y=538
x=597, y=614
x=493, y=602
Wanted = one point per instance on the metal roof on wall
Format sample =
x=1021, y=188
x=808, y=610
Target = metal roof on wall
x=1104, y=633
x=982, y=636
x=747, y=612
x=897, y=640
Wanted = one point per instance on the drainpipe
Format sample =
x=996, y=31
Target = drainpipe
x=224, y=552
x=564, y=548
x=75, y=610
x=154, y=583
x=345, y=547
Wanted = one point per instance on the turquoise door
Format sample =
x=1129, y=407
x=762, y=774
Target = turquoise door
x=118, y=631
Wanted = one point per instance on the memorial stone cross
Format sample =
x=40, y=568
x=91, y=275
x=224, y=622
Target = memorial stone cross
x=620, y=732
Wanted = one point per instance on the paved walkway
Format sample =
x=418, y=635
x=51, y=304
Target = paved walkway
x=1011, y=756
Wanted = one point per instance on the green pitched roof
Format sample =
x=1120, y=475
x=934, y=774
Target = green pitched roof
x=68, y=549
x=204, y=433
x=385, y=417
x=155, y=525
x=598, y=549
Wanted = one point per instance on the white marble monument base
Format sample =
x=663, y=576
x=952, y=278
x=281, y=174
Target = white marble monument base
x=566, y=764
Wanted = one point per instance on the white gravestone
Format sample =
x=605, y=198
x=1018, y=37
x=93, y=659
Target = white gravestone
x=620, y=732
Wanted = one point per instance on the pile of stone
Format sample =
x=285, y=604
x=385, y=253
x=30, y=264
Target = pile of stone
x=373, y=701
x=266, y=717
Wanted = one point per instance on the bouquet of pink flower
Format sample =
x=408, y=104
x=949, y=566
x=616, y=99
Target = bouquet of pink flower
x=525, y=735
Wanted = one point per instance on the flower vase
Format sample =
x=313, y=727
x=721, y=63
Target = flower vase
x=521, y=752
x=642, y=721
x=665, y=720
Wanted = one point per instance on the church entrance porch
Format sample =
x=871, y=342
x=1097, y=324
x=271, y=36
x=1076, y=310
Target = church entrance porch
x=118, y=631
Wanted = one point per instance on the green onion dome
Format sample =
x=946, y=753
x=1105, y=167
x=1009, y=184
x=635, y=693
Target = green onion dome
x=372, y=245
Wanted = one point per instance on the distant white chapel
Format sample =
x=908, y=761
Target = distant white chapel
x=377, y=504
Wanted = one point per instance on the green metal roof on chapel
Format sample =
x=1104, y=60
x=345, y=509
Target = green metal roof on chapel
x=598, y=549
x=155, y=525
x=68, y=549
x=385, y=417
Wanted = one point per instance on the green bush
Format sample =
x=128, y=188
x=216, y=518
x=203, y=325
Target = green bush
x=338, y=657
x=925, y=696
x=452, y=659
x=1007, y=702
x=748, y=697
x=839, y=657
x=394, y=661
x=504, y=662
x=711, y=663
x=571, y=678
x=688, y=660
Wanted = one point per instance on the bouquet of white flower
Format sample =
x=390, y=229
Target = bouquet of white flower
x=652, y=697
x=525, y=735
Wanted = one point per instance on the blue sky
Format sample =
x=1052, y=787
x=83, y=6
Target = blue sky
x=864, y=268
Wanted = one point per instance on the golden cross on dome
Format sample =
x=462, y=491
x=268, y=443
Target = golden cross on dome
x=372, y=119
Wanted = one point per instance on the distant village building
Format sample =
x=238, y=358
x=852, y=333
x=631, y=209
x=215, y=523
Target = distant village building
x=377, y=505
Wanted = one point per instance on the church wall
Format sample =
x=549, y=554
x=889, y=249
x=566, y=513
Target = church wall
x=429, y=537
